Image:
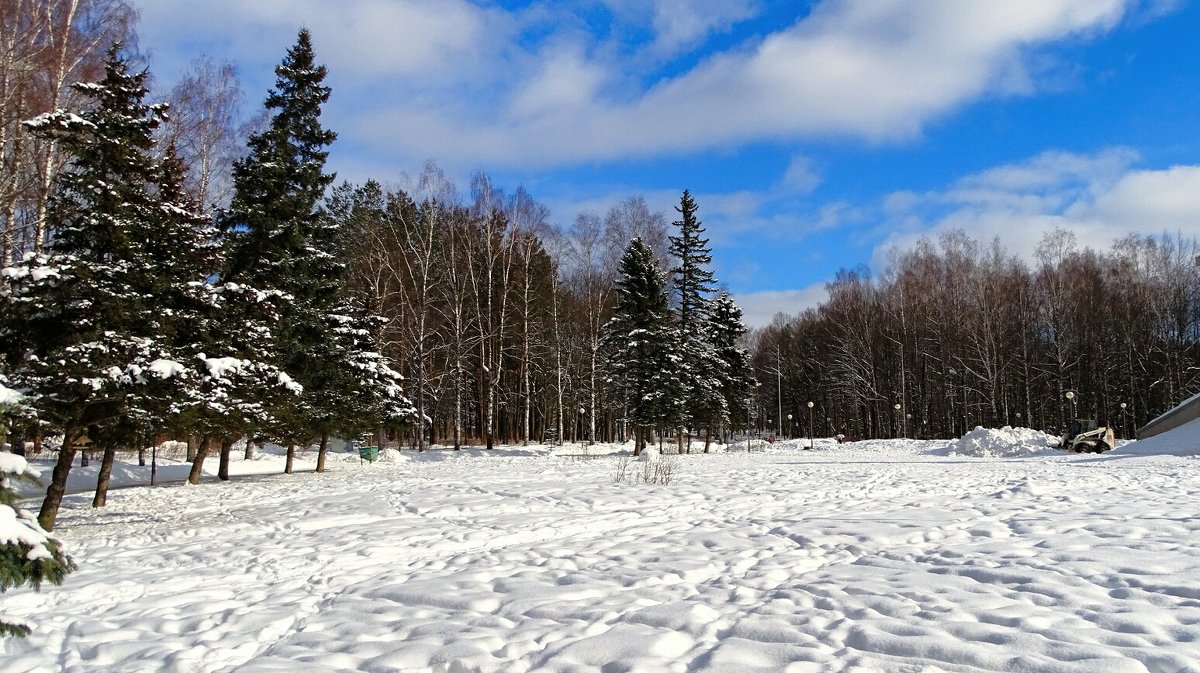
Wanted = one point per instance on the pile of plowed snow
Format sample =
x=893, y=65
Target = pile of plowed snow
x=1002, y=442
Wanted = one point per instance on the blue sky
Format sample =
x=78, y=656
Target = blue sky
x=814, y=135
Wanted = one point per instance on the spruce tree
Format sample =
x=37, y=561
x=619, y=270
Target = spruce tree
x=279, y=240
x=638, y=343
x=725, y=333
x=28, y=554
x=222, y=377
x=87, y=330
x=692, y=280
x=702, y=403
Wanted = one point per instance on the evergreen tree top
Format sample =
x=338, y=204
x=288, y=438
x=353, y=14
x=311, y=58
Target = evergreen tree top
x=274, y=220
x=693, y=281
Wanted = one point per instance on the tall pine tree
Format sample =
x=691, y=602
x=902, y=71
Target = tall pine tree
x=638, y=342
x=736, y=381
x=88, y=330
x=702, y=402
x=280, y=240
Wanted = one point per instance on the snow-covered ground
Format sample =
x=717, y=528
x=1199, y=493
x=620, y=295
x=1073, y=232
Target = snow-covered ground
x=900, y=555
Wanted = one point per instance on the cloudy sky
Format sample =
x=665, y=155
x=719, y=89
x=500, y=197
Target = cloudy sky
x=814, y=135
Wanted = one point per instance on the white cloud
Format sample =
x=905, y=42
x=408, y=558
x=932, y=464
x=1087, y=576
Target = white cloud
x=423, y=41
x=759, y=308
x=801, y=176
x=469, y=81
x=564, y=82
x=681, y=24
x=1100, y=197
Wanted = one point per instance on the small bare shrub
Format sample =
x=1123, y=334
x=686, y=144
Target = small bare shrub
x=661, y=471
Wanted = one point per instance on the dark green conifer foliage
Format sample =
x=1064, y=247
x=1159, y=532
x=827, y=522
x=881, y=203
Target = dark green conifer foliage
x=280, y=240
x=88, y=326
x=725, y=334
x=701, y=370
x=638, y=342
x=277, y=187
x=27, y=554
x=692, y=279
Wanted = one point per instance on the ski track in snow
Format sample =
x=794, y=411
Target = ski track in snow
x=873, y=556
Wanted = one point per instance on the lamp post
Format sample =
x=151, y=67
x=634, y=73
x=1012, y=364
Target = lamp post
x=1070, y=395
x=897, y=416
x=791, y=428
x=749, y=432
x=810, y=426
x=1124, y=419
x=779, y=386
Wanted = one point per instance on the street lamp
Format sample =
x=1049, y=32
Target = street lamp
x=791, y=428
x=1124, y=419
x=810, y=427
x=896, y=408
x=1070, y=395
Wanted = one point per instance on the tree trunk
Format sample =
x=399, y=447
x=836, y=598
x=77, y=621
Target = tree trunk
x=707, y=439
x=490, y=420
x=226, y=449
x=321, y=452
x=198, y=460
x=458, y=405
x=191, y=448
x=16, y=442
x=141, y=454
x=58, y=482
x=249, y=455
x=291, y=457
x=106, y=466
x=83, y=458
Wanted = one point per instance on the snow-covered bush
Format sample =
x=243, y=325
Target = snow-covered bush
x=28, y=554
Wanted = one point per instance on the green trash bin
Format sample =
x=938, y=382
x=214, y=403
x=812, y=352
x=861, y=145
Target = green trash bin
x=368, y=453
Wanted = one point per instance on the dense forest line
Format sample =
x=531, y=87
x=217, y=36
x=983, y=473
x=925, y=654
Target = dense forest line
x=958, y=333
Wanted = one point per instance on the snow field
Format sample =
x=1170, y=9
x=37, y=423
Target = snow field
x=870, y=556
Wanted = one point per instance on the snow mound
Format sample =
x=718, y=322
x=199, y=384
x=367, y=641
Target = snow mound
x=1182, y=441
x=1002, y=442
x=649, y=454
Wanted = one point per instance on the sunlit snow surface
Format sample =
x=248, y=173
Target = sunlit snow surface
x=870, y=556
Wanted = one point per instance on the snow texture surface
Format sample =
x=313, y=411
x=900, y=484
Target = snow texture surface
x=867, y=556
